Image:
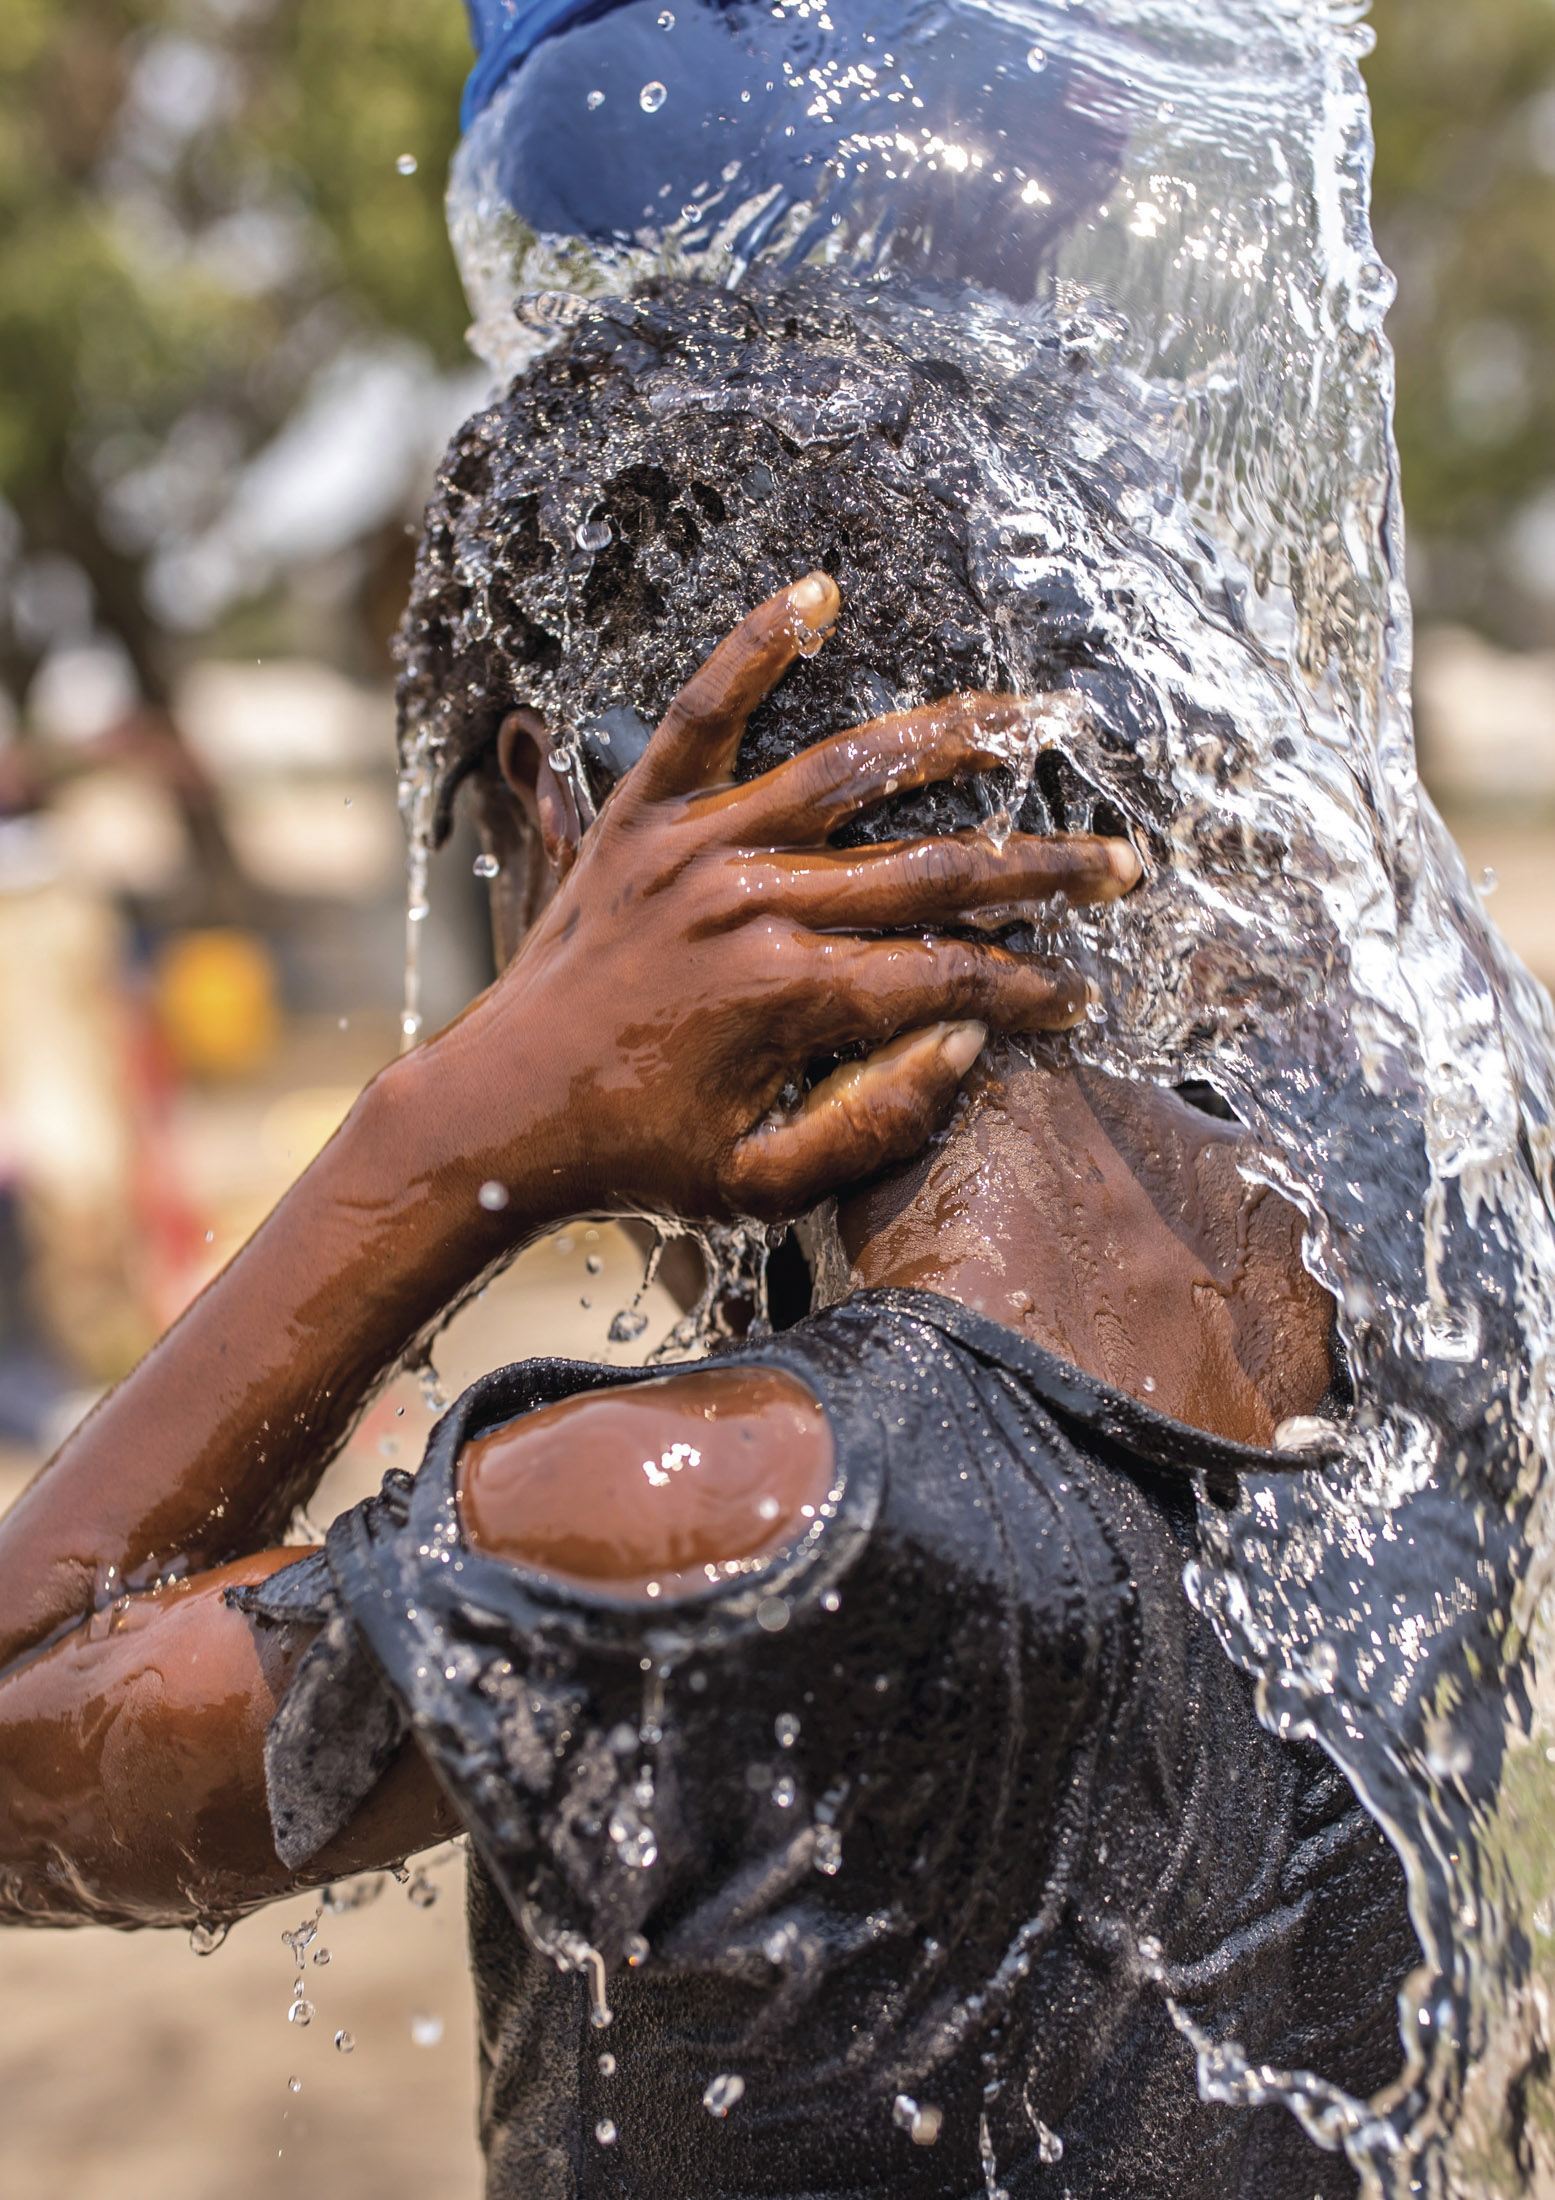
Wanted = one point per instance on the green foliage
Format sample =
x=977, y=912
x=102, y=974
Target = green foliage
x=1463, y=95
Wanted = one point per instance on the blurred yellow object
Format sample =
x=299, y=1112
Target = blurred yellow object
x=216, y=997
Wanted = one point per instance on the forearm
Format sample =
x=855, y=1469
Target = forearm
x=201, y=1453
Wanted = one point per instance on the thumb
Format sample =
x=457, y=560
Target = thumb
x=865, y=1115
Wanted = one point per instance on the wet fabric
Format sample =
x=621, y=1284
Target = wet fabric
x=934, y=1812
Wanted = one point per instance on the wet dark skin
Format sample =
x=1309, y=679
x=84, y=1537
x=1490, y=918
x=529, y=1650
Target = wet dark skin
x=703, y=945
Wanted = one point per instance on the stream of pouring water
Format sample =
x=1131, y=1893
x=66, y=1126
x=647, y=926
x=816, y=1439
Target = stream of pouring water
x=1306, y=939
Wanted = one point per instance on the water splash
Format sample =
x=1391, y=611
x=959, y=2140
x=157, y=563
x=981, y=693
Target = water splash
x=1219, y=506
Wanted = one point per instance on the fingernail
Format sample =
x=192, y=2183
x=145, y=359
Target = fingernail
x=816, y=600
x=962, y=1044
x=1126, y=866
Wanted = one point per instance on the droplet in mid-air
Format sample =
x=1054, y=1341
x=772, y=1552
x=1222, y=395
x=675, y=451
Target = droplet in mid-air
x=407, y=164
x=666, y=19
x=486, y=866
x=629, y=1323
x=294, y=2085
x=595, y=534
x=300, y=2013
x=593, y=1263
x=1036, y=59
x=786, y=1727
x=607, y=2066
x=722, y=2093
x=344, y=2042
x=493, y=1196
x=594, y=100
x=321, y=1957
x=426, y=2028
x=605, y=2132
x=652, y=97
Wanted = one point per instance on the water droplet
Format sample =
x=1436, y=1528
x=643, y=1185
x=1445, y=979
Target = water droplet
x=605, y=2132
x=1050, y=2148
x=831, y=1602
x=607, y=2066
x=828, y=1851
x=426, y=2028
x=628, y=1324
x=635, y=1947
x=594, y=534
x=410, y=1025
x=785, y=1793
x=1036, y=60
x=1489, y=879
x=407, y=164
x=722, y=2093
x=786, y=1727
x=563, y=1243
x=666, y=19
x=321, y=1957
x=344, y=2042
x=594, y=100
x=593, y=1264
x=422, y=1892
x=300, y=2013
x=1149, y=1382
x=652, y=97
x=417, y=912
x=772, y=1615
x=206, y=1939
x=294, y=2085
x=493, y=1196
x=486, y=866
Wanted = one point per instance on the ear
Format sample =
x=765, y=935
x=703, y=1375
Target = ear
x=523, y=758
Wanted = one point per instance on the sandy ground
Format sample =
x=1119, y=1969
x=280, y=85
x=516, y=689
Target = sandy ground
x=132, y=2070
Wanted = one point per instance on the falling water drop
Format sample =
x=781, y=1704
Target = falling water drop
x=636, y=1950
x=486, y=866
x=594, y=100
x=493, y=1196
x=1489, y=880
x=629, y=1323
x=666, y=19
x=607, y=2066
x=786, y=1727
x=407, y=164
x=722, y=2093
x=595, y=534
x=205, y=1939
x=605, y=2132
x=593, y=1264
x=652, y=97
x=1036, y=59
x=426, y=2028
x=294, y=2085
x=344, y=2042
x=300, y=2013
x=321, y=1957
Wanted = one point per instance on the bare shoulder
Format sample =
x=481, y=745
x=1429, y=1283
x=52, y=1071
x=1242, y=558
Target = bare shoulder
x=652, y=1487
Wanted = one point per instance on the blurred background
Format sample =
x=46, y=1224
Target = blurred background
x=231, y=348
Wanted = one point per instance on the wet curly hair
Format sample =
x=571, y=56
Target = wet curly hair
x=685, y=453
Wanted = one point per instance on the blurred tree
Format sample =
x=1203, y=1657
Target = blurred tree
x=201, y=203
x=1464, y=103
x=204, y=202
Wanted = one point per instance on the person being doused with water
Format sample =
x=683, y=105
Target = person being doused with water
x=857, y=1802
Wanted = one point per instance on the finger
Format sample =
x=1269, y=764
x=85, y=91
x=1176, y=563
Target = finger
x=908, y=884
x=851, y=990
x=699, y=735
x=811, y=794
x=864, y=1116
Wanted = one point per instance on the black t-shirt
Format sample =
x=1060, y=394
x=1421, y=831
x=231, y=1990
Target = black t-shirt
x=918, y=1832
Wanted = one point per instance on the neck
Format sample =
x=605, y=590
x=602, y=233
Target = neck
x=1108, y=1222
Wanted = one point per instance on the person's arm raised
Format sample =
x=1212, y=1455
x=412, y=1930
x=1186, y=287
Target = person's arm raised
x=706, y=945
